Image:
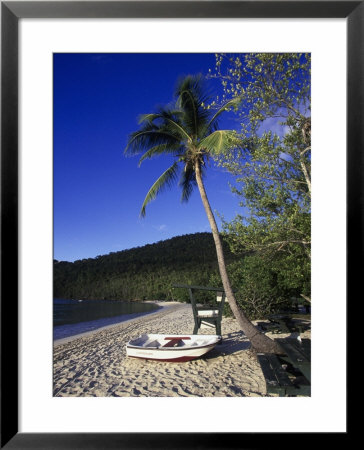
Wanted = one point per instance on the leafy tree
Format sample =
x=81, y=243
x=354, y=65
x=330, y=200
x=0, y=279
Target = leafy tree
x=263, y=285
x=189, y=132
x=273, y=165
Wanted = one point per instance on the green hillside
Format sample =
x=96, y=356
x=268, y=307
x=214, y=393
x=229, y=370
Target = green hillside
x=141, y=273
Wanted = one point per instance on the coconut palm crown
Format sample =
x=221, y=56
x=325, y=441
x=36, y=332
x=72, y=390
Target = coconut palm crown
x=188, y=131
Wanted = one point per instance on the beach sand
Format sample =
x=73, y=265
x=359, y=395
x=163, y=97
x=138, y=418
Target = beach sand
x=95, y=364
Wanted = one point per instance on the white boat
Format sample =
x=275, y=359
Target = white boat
x=173, y=348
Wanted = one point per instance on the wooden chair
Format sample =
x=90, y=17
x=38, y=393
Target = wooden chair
x=208, y=315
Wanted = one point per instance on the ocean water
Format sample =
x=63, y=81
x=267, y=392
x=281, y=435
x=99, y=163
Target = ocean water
x=71, y=317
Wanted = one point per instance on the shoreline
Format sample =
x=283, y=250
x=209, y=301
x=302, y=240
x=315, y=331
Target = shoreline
x=136, y=316
x=95, y=364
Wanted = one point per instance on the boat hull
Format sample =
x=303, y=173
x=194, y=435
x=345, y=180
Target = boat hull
x=171, y=348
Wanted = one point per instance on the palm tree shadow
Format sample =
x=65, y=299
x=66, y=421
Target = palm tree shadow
x=231, y=343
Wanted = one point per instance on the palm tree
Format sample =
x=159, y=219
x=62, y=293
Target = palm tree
x=188, y=131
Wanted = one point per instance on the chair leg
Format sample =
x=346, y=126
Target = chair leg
x=196, y=328
x=218, y=328
x=218, y=331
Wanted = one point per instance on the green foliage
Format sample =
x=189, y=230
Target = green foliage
x=273, y=169
x=142, y=273
x=264, y=286
x=266, y=84
x=166, y=179
x=187, y=132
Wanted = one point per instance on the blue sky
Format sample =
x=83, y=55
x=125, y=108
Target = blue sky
x=98, y=191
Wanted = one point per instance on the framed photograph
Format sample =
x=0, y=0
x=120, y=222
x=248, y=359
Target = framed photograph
x=38, y=41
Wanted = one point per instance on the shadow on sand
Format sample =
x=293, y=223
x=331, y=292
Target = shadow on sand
x=231, y=343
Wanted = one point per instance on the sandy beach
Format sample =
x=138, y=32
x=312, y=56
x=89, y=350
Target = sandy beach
x=95, y=364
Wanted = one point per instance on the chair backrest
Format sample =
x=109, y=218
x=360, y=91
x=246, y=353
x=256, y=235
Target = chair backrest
x=211, y=309
x=219, y=296
x=220, y=299
x=218, y=302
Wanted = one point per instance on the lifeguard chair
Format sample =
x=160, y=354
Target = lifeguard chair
x=207, y=315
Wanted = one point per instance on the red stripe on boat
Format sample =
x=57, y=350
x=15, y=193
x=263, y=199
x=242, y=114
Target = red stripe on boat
x=177, y=337
x=180, y=359
x=172, y=341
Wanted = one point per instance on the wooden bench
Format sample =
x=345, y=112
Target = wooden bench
x=298, y=354
x=301, y=303
x=209, y=315
x=273, y=327
x=277, y=378
x=296, y=361
x=281, y=323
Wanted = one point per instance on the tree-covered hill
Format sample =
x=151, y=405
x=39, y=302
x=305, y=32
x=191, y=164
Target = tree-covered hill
x=141, y=273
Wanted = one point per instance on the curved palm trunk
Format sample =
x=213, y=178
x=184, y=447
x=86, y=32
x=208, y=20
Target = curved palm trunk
x=259, y=341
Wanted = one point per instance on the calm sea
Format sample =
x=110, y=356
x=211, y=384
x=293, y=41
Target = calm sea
x=71, y=317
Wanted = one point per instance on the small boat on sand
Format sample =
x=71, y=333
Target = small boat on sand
x=171, y=348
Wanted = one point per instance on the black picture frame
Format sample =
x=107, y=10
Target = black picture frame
x=11, y=12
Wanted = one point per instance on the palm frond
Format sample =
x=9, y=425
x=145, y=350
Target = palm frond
x=168, y=121
x=147, y=118
x=219, y=141
x=194, y=84
x=191, y=94
x=181, y=131
x=187, y=183
x=150, y=136
x=165, y=180
x=162, y=113
x=161, y=149
x=230, y=104
x=175, y=127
